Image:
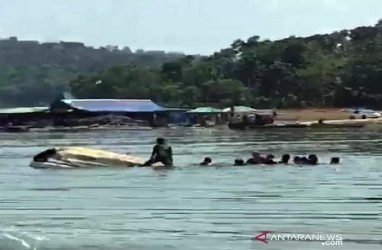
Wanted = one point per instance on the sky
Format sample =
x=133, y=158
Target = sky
x=190, y=26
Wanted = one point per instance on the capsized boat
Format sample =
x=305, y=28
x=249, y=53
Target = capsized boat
x=80, y=157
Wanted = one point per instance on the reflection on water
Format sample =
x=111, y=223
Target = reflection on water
x=193, y=207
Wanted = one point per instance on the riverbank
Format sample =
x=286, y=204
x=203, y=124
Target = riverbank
x=312, y=118
x=288, y=118
x=311, y=114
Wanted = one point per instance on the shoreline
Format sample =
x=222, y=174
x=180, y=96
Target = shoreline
x=286, y=118
x=312, y=114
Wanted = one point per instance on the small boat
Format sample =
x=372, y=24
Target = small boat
x=80, y=157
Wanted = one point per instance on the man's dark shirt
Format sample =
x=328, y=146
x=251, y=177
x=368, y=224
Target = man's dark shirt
x=162, y=153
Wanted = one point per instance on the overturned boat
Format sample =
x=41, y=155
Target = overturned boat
x=79, y=157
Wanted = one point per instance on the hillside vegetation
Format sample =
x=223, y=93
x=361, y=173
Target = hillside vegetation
x=32, y=73
x=329, y=70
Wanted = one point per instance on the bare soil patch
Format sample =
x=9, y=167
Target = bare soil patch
x=312, y=114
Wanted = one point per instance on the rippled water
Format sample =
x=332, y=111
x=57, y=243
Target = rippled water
x=193, y=207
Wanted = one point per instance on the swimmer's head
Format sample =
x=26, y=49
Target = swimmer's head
x=239, y=162
x=335, y=160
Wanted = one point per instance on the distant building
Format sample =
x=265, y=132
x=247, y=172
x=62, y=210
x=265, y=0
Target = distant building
x=107, y=105
x=140, y=109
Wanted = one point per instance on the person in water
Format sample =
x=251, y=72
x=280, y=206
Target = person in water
x=301, y=160
x=335, y=160
x=256, y=159
x=310, y=160
x=161, y=153
x=269, y=160
x=297, y=160
x=285, y=159
x=206, y=162
x=239, y=162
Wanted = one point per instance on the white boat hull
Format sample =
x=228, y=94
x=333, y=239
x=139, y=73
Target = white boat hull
x=78, y=157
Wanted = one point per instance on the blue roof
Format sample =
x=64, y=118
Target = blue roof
x=114, y=105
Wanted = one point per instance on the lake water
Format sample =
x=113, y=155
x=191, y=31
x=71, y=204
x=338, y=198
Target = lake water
x=193, y=207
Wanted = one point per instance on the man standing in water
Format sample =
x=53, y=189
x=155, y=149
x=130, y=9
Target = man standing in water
x=161, y=153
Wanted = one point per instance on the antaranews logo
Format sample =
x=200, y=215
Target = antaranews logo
x=261, y=237
x=325, y=239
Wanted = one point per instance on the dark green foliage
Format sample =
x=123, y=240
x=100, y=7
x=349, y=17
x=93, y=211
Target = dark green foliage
x=32, y=73
x=339, y=69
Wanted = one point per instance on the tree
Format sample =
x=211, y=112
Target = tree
x=339, y=69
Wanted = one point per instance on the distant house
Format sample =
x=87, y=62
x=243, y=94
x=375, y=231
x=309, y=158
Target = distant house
x=126, y=106
x=67, y=106
x=140, y=109
x=22, y=115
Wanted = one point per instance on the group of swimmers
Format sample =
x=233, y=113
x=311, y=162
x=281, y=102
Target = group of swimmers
x=257, y=159
x=162, y=152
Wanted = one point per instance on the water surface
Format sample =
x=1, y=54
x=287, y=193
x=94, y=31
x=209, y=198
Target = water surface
x=193, y=207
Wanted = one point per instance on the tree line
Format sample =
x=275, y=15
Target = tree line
x=32, y=73
x=340, y=69
x=329, y=70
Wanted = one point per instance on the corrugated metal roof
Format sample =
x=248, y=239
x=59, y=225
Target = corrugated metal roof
x=23, y=110
x=114, y=105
